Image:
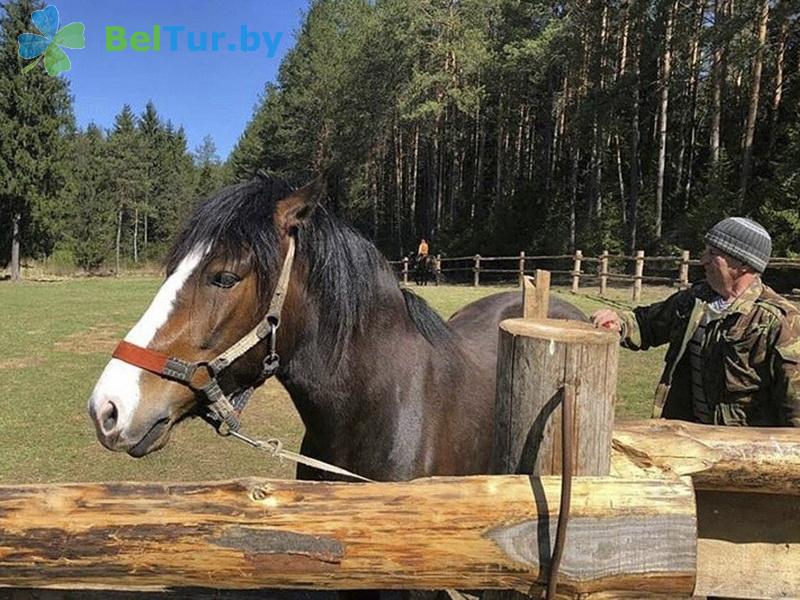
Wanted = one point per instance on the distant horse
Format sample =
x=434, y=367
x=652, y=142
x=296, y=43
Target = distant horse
x=384, y=386
x=423, y=269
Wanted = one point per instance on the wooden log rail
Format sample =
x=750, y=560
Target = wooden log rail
x=470, y=533
x=747, y=485
x=733, y=459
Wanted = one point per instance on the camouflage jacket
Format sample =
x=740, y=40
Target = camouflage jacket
x=751, y=356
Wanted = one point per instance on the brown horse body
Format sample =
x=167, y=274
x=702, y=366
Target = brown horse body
x=384, y=386
x=407, y=407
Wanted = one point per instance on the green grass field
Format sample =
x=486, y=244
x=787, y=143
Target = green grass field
x=56, y=337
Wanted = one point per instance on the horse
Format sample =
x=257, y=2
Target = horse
x=423, y=269
x=384, y=386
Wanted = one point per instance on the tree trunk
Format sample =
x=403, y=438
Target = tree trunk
x=623, y=50
x=414, y=175
x=694, y=71
x=372, y=190
x=119, y=239
x=597, y=128
x=136, y=235
x=777, y=93
x=558, y=130
x=635, y=175
x=402, y=197
x=145, y=220
x=573, y=197
x=718, y=76
x=480, y=159
x=621, y=180
x=16, y=271
x=663, y=117
x=498, y=179
x=752, y=111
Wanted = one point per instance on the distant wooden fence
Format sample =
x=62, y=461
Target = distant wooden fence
x=602, y=273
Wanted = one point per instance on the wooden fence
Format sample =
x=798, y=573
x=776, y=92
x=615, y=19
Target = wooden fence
x=476, y=532
x=672, y=510
x=604, y=268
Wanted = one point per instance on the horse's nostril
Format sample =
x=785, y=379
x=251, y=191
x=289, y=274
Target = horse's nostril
x=109, y=417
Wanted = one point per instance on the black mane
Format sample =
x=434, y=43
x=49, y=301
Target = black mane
x=346, y=273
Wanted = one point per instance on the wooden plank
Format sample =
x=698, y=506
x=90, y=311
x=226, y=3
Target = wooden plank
x=749, y=545
x=473, y=533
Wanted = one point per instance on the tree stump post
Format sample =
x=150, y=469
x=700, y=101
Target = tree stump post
x=540, y=360
x=536, y=360
x=476, y=271
x=405, y=270
x=536, y=295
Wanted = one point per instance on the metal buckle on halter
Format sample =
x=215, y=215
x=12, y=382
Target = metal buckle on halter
x=272, y=360
x=205, y=368
x=220, y=412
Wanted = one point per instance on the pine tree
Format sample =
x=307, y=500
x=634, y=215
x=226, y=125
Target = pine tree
x=151, y=134
x=91, y=223
x=126, y=159
x=178, y=194
x=35, y=113
x=209, y=168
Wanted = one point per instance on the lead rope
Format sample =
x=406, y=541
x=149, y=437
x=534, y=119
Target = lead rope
x=274, y=447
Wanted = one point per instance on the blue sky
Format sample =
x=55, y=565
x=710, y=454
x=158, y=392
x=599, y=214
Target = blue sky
x=207, y=92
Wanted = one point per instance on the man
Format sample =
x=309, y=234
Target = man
x=734, y=344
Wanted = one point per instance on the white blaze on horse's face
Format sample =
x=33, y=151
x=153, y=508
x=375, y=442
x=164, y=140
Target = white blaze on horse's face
x=116, y=395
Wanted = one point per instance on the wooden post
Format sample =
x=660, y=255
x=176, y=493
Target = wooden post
x=405, y=271
x=536, y=295
x=521, y=266
x=437, y=265
x=538, y=362
x=637, y=281
x=683, y=274
x=576, y=271
x=603, y=272
x=535, y=361
x=476, y=271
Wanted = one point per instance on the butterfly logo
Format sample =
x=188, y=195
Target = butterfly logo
x=48, y=45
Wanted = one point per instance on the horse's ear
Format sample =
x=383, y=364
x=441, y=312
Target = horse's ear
x=292, y=211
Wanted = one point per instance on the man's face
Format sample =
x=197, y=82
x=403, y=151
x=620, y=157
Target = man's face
x=721, y=270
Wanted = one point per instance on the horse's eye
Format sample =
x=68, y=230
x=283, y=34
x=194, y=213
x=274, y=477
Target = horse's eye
x=225, y=279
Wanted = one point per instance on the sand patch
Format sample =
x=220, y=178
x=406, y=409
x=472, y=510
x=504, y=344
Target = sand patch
x=22, y=362
x=98, y=339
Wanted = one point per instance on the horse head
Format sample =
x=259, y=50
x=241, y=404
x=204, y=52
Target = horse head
x=221, y=275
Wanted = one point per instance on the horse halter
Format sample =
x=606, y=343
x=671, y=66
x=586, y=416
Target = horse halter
x=202, y=376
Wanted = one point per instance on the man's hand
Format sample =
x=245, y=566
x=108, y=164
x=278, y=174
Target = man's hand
x=607, y=319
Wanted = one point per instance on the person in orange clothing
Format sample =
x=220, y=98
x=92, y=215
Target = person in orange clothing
x=422, y=251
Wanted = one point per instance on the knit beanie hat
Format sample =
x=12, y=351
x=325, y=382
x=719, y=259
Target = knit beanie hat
x=742, y=239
